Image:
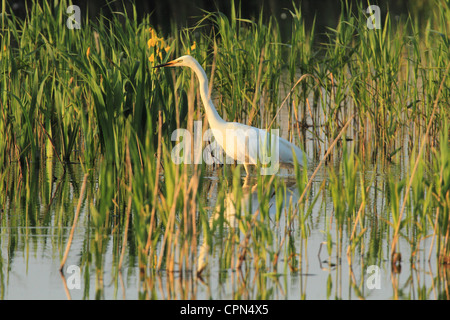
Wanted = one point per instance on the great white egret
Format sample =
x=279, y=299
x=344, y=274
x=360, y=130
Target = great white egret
x=249, y=142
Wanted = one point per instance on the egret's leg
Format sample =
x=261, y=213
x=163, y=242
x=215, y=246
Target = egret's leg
x=246, y=169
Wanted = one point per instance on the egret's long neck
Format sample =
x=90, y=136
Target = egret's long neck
x=214, y=119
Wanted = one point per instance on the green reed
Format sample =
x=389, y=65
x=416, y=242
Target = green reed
x=441, y=194
x=85, y=85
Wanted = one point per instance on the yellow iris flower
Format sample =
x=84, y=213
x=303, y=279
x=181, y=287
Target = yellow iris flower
x=194, y=45
x=158, y=44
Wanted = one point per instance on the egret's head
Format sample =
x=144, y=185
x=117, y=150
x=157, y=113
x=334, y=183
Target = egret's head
x=184, y=61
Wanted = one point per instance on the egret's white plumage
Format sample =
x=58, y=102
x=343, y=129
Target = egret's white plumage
x=249, y=141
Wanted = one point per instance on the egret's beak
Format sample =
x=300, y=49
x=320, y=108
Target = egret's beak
x=168, y=64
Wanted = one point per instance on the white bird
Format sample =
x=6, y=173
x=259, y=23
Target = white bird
x=248, y=144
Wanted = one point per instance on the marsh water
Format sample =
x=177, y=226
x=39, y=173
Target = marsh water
x=33, y=236
x=36, y=221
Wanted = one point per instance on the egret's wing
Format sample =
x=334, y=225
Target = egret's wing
x=248, y=144
x=286, y=152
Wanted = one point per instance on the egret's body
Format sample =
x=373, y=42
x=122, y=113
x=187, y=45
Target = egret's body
x=249, y=141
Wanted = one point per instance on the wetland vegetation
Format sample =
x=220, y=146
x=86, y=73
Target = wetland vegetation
x=87, y=179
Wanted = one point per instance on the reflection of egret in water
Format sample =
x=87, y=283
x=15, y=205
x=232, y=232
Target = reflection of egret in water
x=249, y=205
